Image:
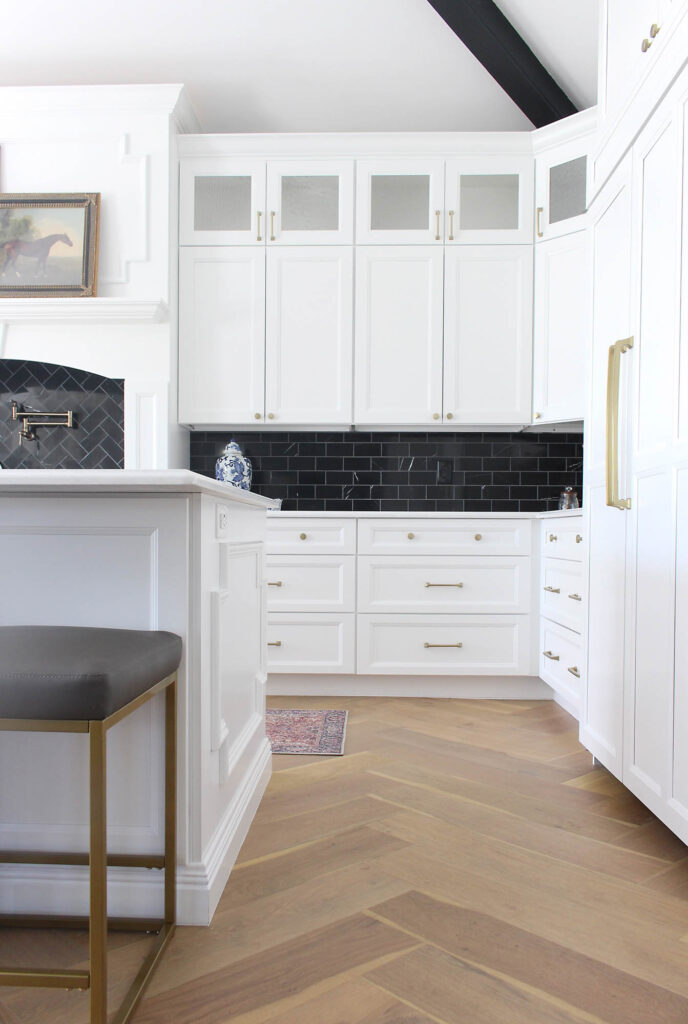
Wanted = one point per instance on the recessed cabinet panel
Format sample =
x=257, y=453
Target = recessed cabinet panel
x=489, y=200
x=222, y=202
x=567, y=189
x=561, y=188
x=561, y=328
x=307, y=643
x=310, y=202
x=399, y=201
x=487, y=334
x=444, y=537
x=311, y=583
x=309, y=347
x=221, y=335
x=398, y=376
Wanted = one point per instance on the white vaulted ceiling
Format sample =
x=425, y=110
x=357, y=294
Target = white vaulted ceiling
x=294, y=65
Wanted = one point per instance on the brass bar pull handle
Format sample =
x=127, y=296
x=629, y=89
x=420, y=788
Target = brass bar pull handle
x=274, y=643
x=538, y=221
x=552, y=657
x=272, y=225
x=574, y=671
x=613, y=385
x=259, y=237
x=444, y=585
x=277, y=584
x=552, y=590
x=437, y=227
x=575, y=597
x=451, y=225
x=426, y=644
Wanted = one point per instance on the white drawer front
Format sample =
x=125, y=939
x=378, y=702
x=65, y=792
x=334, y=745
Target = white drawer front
x=561, y=661
x=311, y=536
x=444, y=537
x=563, y=539
x=436, y=584
x=311, y=643
x=562, y=592
x=396, y=645
x=313, y=583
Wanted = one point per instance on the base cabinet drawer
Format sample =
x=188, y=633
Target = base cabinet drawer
x=287, y=536
x=561, y=661
x=563, y=538
x=562, y=592
x=444, y=536
x=311, y=643
x=436, y=584
x=314, y=583
x=443, y=645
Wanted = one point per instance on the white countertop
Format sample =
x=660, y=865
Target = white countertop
x=554, y=514
x=123, y=481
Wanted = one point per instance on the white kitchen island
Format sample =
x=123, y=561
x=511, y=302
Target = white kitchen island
x=138, y=550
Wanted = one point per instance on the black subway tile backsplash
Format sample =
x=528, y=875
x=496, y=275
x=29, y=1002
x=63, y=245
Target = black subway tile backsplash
x=393, y=472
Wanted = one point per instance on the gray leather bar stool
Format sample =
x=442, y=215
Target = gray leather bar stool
x=84, y=680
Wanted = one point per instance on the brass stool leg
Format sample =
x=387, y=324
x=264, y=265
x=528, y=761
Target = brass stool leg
x=171, y=803
x=98, y=871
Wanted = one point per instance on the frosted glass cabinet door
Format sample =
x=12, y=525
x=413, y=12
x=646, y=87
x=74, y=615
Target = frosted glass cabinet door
x=489, y=200
x=221, y=335
x=222, y=202
x=310, y=202
x=561, y=191
x=309, y=348
x=398, y=358
x=400, y=201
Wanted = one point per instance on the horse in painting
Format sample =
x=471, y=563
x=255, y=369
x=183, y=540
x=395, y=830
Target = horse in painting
x=37, y=249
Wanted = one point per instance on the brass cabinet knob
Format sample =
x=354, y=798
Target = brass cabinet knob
x=654, y=30
x=302, y=536
x=645, y=45
x=537, y=415
x=478, y=536
x=411, y=536
x=271, y=415
x=579, y=539
x=435, y=415
x=450, y=415
x=256, y=415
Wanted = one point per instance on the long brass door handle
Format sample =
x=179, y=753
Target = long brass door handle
x=426, y=644
x=259, y=237
x=613, y=384
x=272, y=225
x=444, y=585
x=451, y=225
x=437, y=225
x=538, y=221
x=552, y=590
x=552, y=657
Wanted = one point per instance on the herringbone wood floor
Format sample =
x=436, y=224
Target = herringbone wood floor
x=463, y=863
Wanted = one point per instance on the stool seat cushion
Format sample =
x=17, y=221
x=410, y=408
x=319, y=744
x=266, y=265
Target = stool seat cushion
x=80, y=673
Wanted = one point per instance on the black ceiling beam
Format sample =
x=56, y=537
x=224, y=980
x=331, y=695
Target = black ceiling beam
x=495, y=42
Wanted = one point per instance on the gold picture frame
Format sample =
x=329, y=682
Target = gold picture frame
x=38, y=232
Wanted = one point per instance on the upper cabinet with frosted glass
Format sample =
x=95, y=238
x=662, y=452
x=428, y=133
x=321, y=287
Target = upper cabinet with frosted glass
x=467, y=200
x=254, y=202
x=563, y=167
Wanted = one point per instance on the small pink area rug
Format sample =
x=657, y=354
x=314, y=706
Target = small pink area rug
x=291, y=731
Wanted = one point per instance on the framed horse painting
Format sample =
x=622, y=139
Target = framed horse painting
x=49, y=244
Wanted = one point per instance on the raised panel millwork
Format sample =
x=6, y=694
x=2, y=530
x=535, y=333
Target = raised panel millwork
x=308, y=643
x=316, y=583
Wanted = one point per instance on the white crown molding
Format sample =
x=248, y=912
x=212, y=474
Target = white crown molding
x=569, y=129
x=82, y=98
x=82, y=310
x=184, y=116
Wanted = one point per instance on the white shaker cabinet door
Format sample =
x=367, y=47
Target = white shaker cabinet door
x=561, y=328
x=310, y=202
x=398, y=352
x=221, y=201
x=309, y=349
x=221, y=334
x=487, y=334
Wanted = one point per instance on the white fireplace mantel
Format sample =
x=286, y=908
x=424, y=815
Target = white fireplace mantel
x=83, y=310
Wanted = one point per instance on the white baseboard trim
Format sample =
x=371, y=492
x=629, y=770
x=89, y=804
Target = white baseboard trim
x=468, y=687
x=40, y=889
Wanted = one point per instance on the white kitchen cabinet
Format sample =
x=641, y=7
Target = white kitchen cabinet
x=629, y=34
x=488, y=334
x=489, y=200
x=561, y=189
x=561, y=328
x=309, y=335
x=311, y=583
x=310, y=202
x=443, y=537
x=561, y=663
x=398, y=361
x=304, y=643
x=222, y=202
x=311, y=536
x=221, y=334
x=400, y=201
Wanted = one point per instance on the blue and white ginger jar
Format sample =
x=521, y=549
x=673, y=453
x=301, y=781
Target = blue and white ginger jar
x=233, y=467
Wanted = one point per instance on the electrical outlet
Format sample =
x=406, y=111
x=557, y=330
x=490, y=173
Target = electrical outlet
x=444, y=473
x=221, y=520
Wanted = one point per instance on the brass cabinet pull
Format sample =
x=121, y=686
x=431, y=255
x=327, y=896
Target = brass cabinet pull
x=444, y=585
x=552, y=657
x=553, y=590
x=435, y=415
x=410, y=536
x=552, y=537
x=579, y=539
x=426, y=644
x=278, y=583
x=654, y=30
x=271, y=415
x=256, y=415
x=437, y=231
x=574, y=671
x=575, y=597
x=537, y=415
x=538, y=221
x=450, y=415
x=272, y=225
x=451, y=225
x=613, y=381
x=645, y=45
x=302, y=536
x=274, y=643
x=259, y=237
